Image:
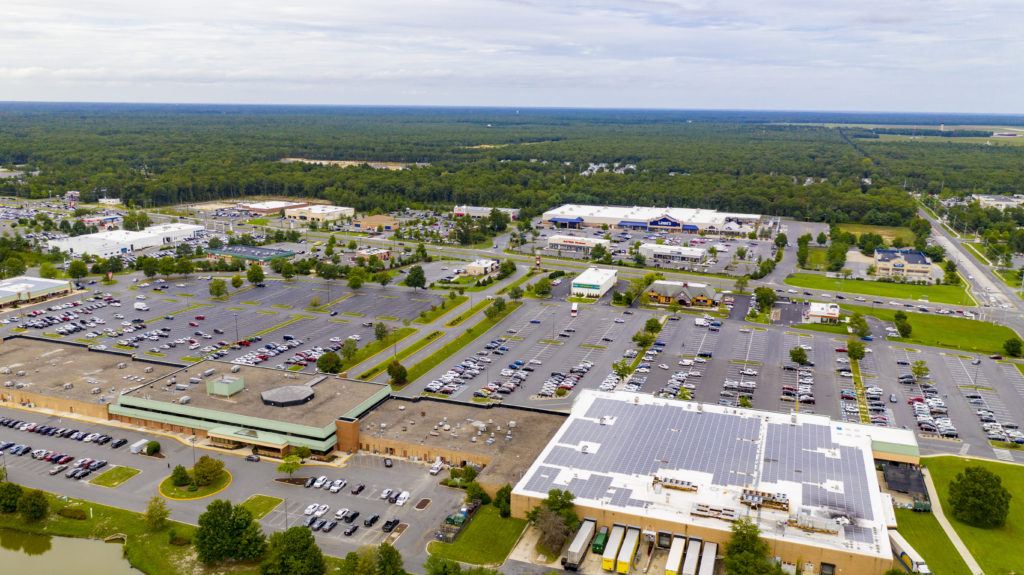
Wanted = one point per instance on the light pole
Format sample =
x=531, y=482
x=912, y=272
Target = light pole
x=236, y=328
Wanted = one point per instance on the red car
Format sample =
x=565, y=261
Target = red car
x=200, y=317
x=997, y=356
x=913, y=400
x=841, y=349
x=193, y=324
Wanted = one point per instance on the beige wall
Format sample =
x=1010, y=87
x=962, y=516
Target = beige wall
x=70, y=407
x=421, y=452
x=846, y=563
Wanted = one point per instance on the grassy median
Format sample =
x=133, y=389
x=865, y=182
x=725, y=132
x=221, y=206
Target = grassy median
x=950, y=331
x=487, y=540
x=947, y=294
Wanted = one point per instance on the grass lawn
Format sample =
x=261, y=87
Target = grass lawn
x=462, y=317
x=471, y=333
x=817, y=258
x=487, y=540
x=998, y=551
x=409, y=350
x=260, y=505
x=519, y=281
x=115, y=476
x=827, y=328
x=950, y=331
x=170, y=491
x=953, y=295
x=922, y=530
x=258, y=222
x=432, y=314
x=889, y=233
x=973, y=248
x=374, y=347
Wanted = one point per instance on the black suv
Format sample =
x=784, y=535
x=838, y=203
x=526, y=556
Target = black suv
x=371, y=520
x=389, y=525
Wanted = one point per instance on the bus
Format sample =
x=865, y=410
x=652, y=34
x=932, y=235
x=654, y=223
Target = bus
x=575, y=310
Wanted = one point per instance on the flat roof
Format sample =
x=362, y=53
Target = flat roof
x=595, y=276
x=333, y=396
x=251, y=252
x=632, y=453
x=643, y=215
x=320, y=209
x=415, y=425
x=22, y=284
x=270, y=205
x=50, y=365
x=669, y=249
x=577, y=240
x=172, y=227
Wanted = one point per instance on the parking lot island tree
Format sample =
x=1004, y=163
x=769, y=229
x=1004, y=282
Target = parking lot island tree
x=977, y=497
x=415, y=278
x=77, y=269
x=207, y=470
x=255, y=273
x=1013, y=346
x=765, y=298
x=920, y=369
x=855, y=349
x=180, y=476
x=399, y=375
x=798, y=355
x=218, y=288
x=329, y=362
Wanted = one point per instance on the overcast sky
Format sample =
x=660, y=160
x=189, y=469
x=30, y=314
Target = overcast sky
x=893, y=55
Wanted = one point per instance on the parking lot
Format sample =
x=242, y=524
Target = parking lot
x=248, y=479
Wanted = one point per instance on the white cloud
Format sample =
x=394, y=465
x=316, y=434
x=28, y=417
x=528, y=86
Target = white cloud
x=941, y=55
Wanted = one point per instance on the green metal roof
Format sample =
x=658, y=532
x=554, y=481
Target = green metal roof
x=896, y=448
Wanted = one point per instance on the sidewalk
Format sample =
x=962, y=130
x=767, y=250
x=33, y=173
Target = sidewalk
x=933, y=495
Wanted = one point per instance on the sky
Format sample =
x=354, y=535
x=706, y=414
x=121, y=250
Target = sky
x=962, y=56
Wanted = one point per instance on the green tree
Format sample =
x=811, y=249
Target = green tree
x=416, y=278
x=349, y=349
x=745, y=402
x=180, y=476
x=218, y=288
x=399, y=375
x=802, y=253
x=33, y=505
x=746, y=553
x=860, y=325
x=289, y=465
x=543, y=287
x=207, y=470
x=503, y=501
x=389, y=560
x=1013, y=346
x=150, y=266
x=215, y=243
x=438, y=566
x=598, y=252
x=920, y=369
x=741, y=284
x=302, y=452
x=166, y=266
x=781, y=240
x=855, y=349
x=227, y=532
x=293, y=552
x=977, y=497
x=383, y=278
x=236, y=281
x=77, y=269
x=652, y=325
x=515, y=293
x=622, y=368
x=903, y=327
x=798, y=355
x=329, y=362
x=156, y=513
x=10, y=493
x=380, y=331
x=47, y=270
x=765, y=298
x=644, y=339
x=822, y=238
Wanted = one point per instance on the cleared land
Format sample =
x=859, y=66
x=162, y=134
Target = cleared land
x=953, y=295
x=486, y=541
x=949, y=331
x=998, y=551
x=889, y=233
x=817, y=258
x=922, y=530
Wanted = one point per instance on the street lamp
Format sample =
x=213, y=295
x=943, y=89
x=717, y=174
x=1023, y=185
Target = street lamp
x=236, y=328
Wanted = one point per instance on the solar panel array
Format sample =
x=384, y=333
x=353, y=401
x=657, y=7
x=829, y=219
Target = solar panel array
x=792, y=453
x=646, y=438
x=649, y=439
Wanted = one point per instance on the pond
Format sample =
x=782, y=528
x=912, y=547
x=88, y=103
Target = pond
x=31, y=553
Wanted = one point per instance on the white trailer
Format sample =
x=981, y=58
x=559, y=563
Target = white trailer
x=580, y=545
x=675, y=555
x=906, y=554
x=692, y=557
x=139, y=446
x=708, y=558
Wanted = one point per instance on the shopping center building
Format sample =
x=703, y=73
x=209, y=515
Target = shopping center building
x=676, y=220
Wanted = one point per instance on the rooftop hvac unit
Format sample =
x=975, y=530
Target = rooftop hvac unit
x=19, y=386
x=209, y=372
x=236, y=368
x=180, y=387
x=149, y=369
x=5, y=370
x=20, y=374
x=8, y=383
x=122, y=365
x=69, y=385
x=95, y=391
x=512, y=424
x=184, y=399
x=472, y=439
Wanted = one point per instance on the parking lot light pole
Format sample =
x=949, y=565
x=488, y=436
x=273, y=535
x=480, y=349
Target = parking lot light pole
x=236, y=328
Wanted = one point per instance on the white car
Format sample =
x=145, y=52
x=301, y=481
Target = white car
x=320, y=482
x=535, y=361
x=748, y=371
x=385, y=494
x=806, y=347
x=619, y=320
x=686, y=362
x=322, y=510
x=341, y=513
x=311, y=508
x=663, y=365
x=354, y=337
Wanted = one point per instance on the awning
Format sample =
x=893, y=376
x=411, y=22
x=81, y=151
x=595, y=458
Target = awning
x=633, y=224
x=566, y=220
x=250, y=436
x=690, y=227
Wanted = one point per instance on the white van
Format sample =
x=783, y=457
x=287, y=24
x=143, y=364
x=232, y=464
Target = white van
x=436, y=467
x=139, y=306
x=402, y=498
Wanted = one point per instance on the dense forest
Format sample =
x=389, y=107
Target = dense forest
x=763, y=162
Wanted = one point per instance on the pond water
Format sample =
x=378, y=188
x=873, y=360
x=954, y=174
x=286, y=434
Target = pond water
x=30, y=553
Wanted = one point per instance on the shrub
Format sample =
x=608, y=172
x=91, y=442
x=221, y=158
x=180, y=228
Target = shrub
x=152, y=447
x=180, y=477
x=72, y=513
x=474, y=491
x=179, y=540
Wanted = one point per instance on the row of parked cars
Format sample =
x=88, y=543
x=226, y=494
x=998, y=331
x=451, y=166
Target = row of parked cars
x=463, y=372
x=567, y=381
